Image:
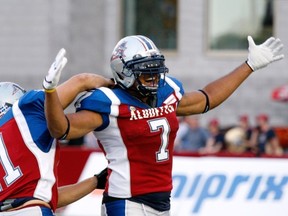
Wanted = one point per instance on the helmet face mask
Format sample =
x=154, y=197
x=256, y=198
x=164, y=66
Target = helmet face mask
x=136, y=56
x=10, y=92
x=4, y=107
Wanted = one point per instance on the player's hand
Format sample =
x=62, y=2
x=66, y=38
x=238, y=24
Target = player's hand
x=101, y=178
x=261, y=55
x=52, y=78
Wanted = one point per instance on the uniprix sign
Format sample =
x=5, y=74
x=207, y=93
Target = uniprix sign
x=230, y=186
x=210, y=186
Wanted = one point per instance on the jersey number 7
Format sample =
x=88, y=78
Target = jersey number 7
x=155, y=125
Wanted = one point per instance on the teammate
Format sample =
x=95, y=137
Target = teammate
x=29, y=155
x=136, y=122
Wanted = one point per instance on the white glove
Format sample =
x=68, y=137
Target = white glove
x=261, y=55
x=52, y=78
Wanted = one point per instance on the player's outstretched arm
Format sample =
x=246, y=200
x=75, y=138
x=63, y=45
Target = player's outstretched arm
x=71, y=193
x=259, y=56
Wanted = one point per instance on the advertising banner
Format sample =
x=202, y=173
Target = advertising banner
x=209, y=186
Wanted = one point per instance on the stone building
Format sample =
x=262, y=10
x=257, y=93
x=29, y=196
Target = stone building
x=32, y=32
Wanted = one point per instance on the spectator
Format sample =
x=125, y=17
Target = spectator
x=244, y=123
x=264, y=137
x=217, y=141
x=193, y=138
x=183, y=128
x=238, y=138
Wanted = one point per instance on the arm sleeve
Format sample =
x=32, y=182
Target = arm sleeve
x=32, y=108
x=95, y=101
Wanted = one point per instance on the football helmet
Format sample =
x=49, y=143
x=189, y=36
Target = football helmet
x=134, y=56
x=10, y=92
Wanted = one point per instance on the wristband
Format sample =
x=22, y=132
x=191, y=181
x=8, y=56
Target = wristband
x=67, y=130
x=249, y=65
x=207, y=106
x=50, y=90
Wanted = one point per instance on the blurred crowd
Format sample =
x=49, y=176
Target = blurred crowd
x=194, y=137
x=260, y=139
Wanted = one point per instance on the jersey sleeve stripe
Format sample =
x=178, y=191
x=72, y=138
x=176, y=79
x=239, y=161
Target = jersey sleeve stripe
x=175, y=87
x=114, y=99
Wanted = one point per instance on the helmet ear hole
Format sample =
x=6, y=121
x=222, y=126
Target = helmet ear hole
x=127, y=72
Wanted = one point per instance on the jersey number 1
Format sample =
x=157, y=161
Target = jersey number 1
x=12, y=173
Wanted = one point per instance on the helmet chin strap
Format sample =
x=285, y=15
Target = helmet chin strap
x=150, y=95
x=143, y=90
x=142, y=94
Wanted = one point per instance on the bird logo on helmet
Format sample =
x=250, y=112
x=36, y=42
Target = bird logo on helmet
x=134, y=56
x=119, y=51
x=10, y=92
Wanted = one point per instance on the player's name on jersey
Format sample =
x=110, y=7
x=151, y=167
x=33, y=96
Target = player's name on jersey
x=151, y=112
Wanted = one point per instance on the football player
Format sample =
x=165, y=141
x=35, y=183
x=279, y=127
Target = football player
x=136, y=121
x=29, y=154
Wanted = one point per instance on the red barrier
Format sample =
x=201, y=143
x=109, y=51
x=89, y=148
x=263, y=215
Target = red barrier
x=73, y=160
